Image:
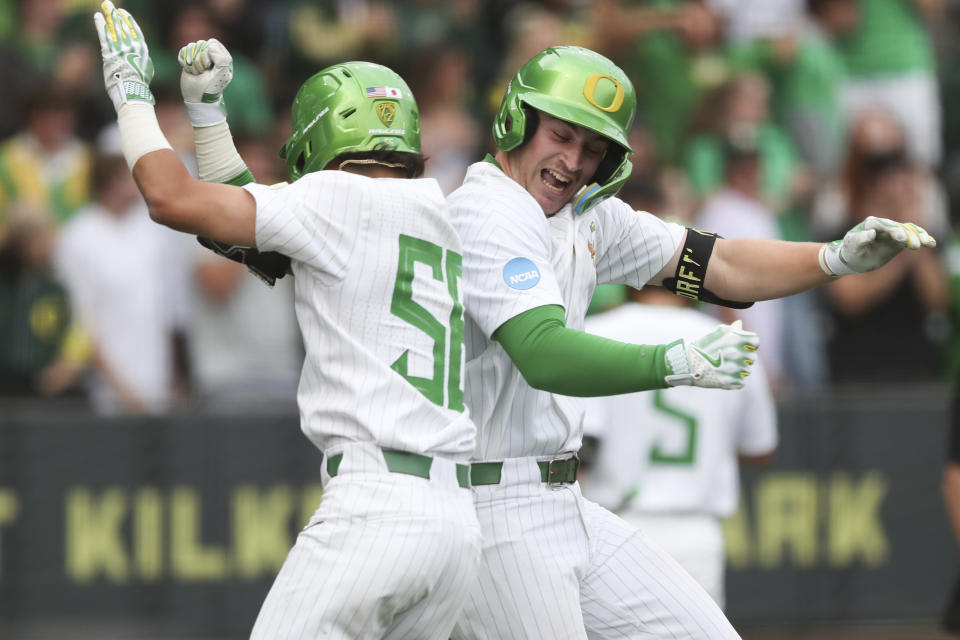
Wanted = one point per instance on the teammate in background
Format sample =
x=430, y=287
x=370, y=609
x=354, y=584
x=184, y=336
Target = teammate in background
x=540, y=230
x=394, y=546
x=667, y=459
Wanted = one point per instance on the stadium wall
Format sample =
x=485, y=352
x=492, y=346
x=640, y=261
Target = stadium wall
x=183, y=521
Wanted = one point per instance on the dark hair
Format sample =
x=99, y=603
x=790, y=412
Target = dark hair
x=105, y=169
x=879, y=164
x=531, y=120
x=814, y=7
x=45, y=98
x=643, y=192
x=22, y=225
x=412, y=163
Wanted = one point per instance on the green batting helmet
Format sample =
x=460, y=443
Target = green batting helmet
x=353, y=106
x=582, y=87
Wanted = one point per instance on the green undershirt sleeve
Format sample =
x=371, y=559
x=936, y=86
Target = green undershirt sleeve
x=553, y=358
x=241, y=179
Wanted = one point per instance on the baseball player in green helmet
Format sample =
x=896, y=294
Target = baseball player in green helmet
x=394, y=546
x=374, y=112
x=541, y=227
x=579, y=86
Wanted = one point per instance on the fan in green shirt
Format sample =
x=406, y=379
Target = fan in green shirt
x=890, y=39
x=744, y=112
x=808, y=98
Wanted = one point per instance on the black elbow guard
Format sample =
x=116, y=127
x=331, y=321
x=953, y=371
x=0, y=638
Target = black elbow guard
x=692, y=271
x=269, y=266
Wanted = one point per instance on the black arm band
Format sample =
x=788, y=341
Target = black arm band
x=691, y=273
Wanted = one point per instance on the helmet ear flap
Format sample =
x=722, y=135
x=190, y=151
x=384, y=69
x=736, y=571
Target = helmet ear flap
x=531, y=120
x=610, y=163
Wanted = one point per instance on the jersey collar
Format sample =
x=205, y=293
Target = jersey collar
x=489, y=158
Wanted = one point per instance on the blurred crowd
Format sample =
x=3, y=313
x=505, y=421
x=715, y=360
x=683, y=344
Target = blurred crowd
x=788, y=119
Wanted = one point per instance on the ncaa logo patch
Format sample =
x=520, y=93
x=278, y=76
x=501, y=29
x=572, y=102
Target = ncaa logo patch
x=521, y=273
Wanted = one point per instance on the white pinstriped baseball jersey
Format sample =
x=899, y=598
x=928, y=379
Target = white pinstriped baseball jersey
x=377, y=268
x=516, y=259
x=388, y=554
x=675, y=448
x=555, y=566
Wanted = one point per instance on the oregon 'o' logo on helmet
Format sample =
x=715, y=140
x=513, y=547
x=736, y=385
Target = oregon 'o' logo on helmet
x=590, y=92
x=583, y=88
x=387, y=112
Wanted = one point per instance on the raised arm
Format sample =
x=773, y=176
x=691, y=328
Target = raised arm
x=207, y=69
x=175, y=199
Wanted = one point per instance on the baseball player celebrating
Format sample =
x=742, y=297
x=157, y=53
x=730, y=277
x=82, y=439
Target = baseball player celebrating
x=540, y=229
x=667, y=459
x=395, y=545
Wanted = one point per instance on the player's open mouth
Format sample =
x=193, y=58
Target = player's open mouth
x=554, y=181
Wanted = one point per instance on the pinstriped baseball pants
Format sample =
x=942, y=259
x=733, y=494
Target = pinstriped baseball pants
x=386, y=555
x=559, y=567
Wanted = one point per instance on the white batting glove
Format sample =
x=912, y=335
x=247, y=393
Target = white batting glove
x=719, y=360
x=870, y=245
x=127, y=67
x=206, y=70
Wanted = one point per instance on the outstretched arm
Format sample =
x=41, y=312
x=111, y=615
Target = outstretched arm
x=750, y=269
x=226, y=213
x=755, y=269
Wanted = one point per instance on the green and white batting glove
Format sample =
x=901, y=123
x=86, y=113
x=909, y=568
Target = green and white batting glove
x=719, y=360
x=127, y=67
x=870, y=245
x=206, y=70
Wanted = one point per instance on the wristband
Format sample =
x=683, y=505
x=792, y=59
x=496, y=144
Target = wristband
x=205, y=114
x=831, y=262
x=139, y=131
x=217, y=157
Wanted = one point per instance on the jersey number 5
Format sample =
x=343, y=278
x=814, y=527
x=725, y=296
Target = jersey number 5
x=445, y=266
x=687, y=422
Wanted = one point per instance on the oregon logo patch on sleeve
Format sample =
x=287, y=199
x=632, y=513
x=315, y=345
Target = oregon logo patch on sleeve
x=521, y=273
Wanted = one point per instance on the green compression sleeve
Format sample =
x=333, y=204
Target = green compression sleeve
x=553, y=358
x=241, y=179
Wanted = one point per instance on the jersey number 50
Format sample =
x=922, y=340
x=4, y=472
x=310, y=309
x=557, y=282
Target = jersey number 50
x=445, y=266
